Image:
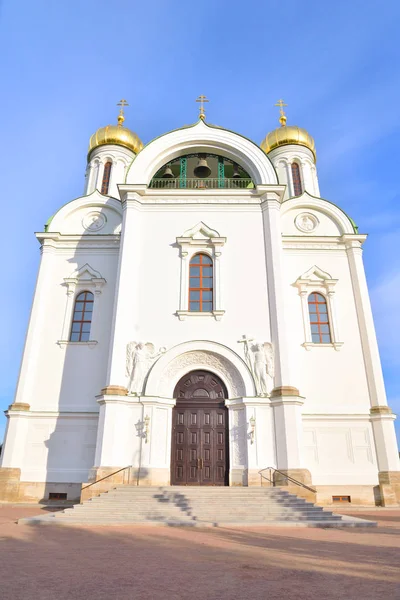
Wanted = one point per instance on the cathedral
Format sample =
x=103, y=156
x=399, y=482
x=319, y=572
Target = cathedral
x=201, y=318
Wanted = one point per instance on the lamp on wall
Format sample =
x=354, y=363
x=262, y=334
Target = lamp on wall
x=252, y=422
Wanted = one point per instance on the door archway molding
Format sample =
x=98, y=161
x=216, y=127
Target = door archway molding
x=189, y=356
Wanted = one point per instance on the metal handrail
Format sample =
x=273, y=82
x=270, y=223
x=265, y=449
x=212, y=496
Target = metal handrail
x=106, y=476
x=286, y=476
x=195, y=183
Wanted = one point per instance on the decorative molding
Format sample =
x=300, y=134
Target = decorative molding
x=201, y=231
x=202, y=359
x=381, y=410
x=217, y=314
x=317, y=280
x=114, y=390
x=86, y=276
x=94, y=221
x=310, y=345
x=200, y=238
x=63, y=343
x=19, y=406
x=306, y=222
x=285, y=390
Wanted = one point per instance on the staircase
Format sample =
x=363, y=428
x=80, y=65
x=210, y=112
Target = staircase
x=197, y=506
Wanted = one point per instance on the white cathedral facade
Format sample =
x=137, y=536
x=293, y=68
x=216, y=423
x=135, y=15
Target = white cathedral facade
x=201, y=317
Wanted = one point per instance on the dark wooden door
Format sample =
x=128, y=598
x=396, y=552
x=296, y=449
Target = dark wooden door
x=199, y=453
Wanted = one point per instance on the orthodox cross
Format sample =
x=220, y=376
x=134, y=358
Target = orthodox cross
x=246, y=341
x=282, y=118
x=202, y=99
x=122, y=103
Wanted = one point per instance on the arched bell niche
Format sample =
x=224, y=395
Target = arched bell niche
x=201, y=171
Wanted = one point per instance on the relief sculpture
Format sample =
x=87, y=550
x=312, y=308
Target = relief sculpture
x=259, y=357
x=139, y=358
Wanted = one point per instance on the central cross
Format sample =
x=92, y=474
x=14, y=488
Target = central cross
x=202, y=99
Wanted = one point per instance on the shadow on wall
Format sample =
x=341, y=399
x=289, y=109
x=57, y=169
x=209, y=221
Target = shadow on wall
x=71, y=444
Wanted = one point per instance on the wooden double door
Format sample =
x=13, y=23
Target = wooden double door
x=199, y=453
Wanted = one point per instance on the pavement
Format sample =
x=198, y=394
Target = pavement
x=150, y=563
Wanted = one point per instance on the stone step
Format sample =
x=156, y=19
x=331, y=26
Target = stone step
x=195, y=506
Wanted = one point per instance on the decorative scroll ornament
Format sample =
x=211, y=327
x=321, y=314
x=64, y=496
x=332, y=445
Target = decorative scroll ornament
x=139, y=358
x=306, y=222
x=260, y=359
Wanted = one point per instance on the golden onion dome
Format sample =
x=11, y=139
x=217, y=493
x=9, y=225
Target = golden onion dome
x=287, y=134
x=116, y=134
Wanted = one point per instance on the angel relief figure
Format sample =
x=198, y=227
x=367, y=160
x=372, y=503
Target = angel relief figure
x=260, y=359
x=139, y=357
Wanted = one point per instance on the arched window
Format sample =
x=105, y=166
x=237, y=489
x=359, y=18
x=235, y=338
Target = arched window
x=201, y=283
x=106, y=177
x=82, y=319
x=296, y=177
x=319, y=319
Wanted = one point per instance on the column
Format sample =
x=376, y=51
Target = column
x=381, y=415
x=126, y=322
x=42, y=298
x=13, y=454
x=285, y=398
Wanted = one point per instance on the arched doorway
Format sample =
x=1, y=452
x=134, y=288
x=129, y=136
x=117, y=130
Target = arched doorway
x=199, y=453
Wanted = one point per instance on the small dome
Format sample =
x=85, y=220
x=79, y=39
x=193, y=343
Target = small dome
x=116, y=134
x=288, y=134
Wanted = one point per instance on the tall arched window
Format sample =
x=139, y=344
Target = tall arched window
x=106, y=177
x=319, y=319
x=296, y=178
x=201, y=283
x=82, y=319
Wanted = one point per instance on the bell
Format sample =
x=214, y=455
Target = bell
x=236, y=174
x=168, y=174
x=202, y=169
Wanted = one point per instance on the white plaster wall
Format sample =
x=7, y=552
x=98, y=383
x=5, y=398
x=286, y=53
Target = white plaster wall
x=59, y=449
x=68, y=377
x=331, y=381
x=243, y=278
x=340, y=452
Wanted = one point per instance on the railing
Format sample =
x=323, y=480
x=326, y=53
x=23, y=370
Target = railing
x=110, y=475
x=271, y=478
x=200, y=184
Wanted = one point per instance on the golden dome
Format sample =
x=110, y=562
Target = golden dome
x=288, y=134
x=116, y=134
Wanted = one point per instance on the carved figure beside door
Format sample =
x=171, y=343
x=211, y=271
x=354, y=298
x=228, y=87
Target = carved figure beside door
x=260, y=359
x=139, y=358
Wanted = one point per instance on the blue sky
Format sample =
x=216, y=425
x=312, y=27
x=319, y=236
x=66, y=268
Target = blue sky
x=66, y=64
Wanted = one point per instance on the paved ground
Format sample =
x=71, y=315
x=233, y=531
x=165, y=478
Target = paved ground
x=153, y=563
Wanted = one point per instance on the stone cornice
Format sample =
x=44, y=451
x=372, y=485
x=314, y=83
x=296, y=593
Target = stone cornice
x=59, y=240
x=144, y=195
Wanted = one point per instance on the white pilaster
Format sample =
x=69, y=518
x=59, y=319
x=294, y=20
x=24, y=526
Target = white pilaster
x=288, y=432
x=126, y=325
x=385, y=441
x=39, y=314
x=369, y=342
x=273, y=257
x=14, y=441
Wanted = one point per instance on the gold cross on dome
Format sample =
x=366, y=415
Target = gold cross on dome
x=202, y=99
x=282, y=118
x=122, y=103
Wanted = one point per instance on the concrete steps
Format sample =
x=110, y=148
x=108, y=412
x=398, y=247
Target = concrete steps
x=197, y=506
